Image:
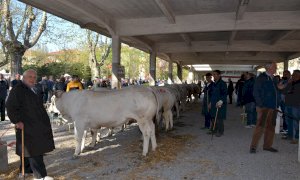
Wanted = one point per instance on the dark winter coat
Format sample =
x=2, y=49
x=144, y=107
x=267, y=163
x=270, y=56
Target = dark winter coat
x=219, y=92
x=207, y=96
x=3, y=89
x=247, y=95
x=292, y=94
x=230, y=88
x=23, y=105
x=265, y=92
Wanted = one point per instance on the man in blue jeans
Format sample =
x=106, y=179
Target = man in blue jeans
x=292, y=102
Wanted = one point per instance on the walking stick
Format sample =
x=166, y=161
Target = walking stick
x=23, y=168
x=214, y=126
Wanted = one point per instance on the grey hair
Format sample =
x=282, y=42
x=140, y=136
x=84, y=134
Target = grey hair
x=29, y=70
x=268, y=65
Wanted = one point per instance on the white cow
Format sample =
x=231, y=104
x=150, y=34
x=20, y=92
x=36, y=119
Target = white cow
x=167, y=100
x=90, y=109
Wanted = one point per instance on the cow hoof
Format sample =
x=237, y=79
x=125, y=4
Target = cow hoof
x=74, y=157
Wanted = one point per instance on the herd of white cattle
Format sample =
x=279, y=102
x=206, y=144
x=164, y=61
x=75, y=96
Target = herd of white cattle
x=93, y=109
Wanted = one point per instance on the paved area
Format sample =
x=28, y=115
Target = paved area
x=187, y=152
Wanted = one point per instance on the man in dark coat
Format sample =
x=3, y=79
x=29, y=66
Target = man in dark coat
x=267, y=101
x=218, y=101
x=3, y=93
x=25, y=109
x=206, y=99
x=249, y=101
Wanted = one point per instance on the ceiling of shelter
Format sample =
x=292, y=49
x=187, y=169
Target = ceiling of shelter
x=192, y=31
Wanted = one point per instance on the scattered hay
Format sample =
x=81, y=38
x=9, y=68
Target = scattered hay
x=168, y=148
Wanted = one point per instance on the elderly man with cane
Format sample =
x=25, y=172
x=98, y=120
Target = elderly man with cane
x=266, y=97
x=33, y=129
x=218, y=103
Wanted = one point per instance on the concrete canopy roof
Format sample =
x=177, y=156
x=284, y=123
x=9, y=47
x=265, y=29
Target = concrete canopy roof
x=192, y=31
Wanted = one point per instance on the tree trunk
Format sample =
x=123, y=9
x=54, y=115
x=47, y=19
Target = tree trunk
x=95, y=70
x=16, y=51
x=16, y=63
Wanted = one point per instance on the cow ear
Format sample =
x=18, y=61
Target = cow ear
x=58, y=93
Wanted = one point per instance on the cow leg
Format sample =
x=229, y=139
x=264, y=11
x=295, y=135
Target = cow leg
x=94, y=137
x=146, y=136
x=153, y=138
x=167, y=119
x=170, y=119
x=79, y=131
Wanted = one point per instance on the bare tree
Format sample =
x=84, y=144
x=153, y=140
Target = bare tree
x=93, y=44
x=16, y=33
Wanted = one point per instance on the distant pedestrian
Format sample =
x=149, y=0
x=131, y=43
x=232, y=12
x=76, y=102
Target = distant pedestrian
x=248, y=100
x=75, y=84
x=230, y=90
x=239, y=88
x=3, y=94
x=16, y=81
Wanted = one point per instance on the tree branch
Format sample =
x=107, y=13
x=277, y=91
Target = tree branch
x=29, y=26
x=8, y=20
x=6, y=57
x=22, y=22
x=41, y=29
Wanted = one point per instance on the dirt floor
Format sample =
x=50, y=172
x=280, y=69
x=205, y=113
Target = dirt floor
x=186, y=152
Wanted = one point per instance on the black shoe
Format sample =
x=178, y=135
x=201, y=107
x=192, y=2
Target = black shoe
x=271, y=149
x=252, y=150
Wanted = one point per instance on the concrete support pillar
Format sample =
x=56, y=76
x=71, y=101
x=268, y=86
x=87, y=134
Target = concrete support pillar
x=170, y=74
x=179, y=74
x=286, y=65
x=152, y=69
x=116, y=60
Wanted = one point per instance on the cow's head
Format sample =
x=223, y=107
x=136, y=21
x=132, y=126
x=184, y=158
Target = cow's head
x=58, y=93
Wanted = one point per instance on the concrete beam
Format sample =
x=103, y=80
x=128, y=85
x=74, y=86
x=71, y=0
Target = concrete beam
x=140, y=42
x=237, y=62
x=166, y=9
x=210, y=22
x=241, y=9
x=293, y=56
x=281, y=36
x=221, y=46
x=232, y=36
x=87, y=9
x=230, y=56
x=187, y=39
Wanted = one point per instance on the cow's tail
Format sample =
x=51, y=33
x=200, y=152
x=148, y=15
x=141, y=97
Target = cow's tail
x=157, y=115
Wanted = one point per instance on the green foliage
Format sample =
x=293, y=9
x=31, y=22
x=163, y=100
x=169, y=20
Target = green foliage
x=58, y=69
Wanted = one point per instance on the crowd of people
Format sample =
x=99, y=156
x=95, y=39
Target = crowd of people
x=262, y=97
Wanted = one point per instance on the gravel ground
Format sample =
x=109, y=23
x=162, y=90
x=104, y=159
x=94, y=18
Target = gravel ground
x=186, y=152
